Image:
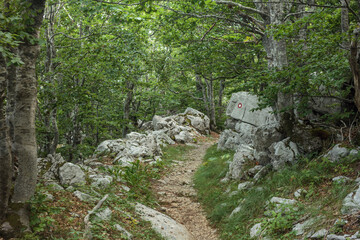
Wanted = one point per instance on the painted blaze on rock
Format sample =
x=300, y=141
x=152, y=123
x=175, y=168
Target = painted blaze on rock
x=241, y=105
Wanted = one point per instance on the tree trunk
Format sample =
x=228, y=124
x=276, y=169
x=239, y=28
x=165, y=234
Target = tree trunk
x=6, y=168
x=204, y=96
x=24, y=114
x=211, y=102
x=127, y=106
x=221, y=93
x=277, y=61
x=354, y=64
x=345, y=21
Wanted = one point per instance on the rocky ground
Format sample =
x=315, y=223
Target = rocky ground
x=177, y=197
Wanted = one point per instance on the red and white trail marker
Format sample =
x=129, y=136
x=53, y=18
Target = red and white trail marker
x=240, y=105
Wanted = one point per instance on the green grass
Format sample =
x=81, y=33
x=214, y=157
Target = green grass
x=323, y=197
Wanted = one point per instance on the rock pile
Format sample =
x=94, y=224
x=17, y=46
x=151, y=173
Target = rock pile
x=180, y=128
x=146, y=147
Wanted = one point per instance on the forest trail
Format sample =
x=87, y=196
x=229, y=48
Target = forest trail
x=177, y=197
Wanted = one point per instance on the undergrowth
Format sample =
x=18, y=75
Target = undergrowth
x=63, y=216
x=322, y=198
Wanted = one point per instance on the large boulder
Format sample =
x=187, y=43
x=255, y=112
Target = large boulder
x=241, y=107
x=71, y=174
x=283, y=152
x=167, y=227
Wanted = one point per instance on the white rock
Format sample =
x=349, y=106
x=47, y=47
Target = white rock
x=300, y=193
x=235, y=211
x=341, y=180
x=337, y=237
x=320, y=234
x=71, y=174
x=84, y=197
x=336, y=153
x=240, y=106
x=184, y=137
x=243, y=154
x=278, y=200
x=283, y=152
x=163, y=224
x=255, y=231
x=102, y=182
x=229, y=140
x=110, y=146
x=245, y=185
x=123, y=231
x=351, y=203
x=105, y=214
x=300, y=228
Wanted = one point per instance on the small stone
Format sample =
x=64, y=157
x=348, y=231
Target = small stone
x=255, y=231
x=236, y=210
x=125, y=188
x=84, y=197
x=49, y=197
x=245, y=185
x=320, y=234
x=105, y=214
x=336, y=237
x=124, y=231
x=341, y=180
x=300, y=193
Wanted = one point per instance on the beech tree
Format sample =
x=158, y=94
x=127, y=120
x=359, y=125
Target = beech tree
x=18, y=150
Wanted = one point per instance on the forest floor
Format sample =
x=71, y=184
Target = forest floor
x=177, y=197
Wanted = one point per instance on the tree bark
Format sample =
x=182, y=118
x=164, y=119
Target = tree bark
x=6, y=168
x=127, y=106
x=354, y=64
x=24, y=114
x=277, y=61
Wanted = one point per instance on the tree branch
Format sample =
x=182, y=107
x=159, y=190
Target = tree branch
x=202, y=39
x=263, y=14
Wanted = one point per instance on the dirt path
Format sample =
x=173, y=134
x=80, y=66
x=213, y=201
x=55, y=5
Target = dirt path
x=178, y=198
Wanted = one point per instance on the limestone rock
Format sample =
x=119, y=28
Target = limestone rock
x=336, y=153
x=255, y=231
x=84, y=196
x=229, y=140
x=300, y=193
x=184, y=137
x=301, y=228
x=110, y=146
x=243, y=155
x=198, y=120
x=104, y=214
x=341, y=180
x=163, y=224
x=283, y=152
x=265, y=136
x=319, y=234
x=49, y=166
x=123, y=231
x=241, y=105
x=351, y=203
x=71, y=174
x=101, y=181
x=245, y=185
